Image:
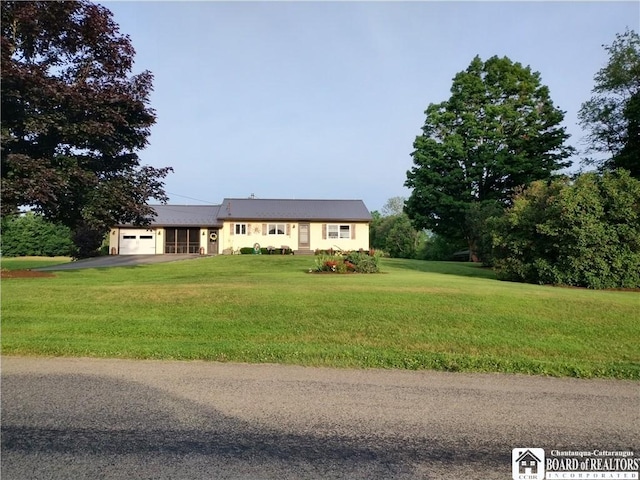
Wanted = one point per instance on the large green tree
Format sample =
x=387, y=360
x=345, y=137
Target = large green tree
x=498, y=130
x=612, y=114
x=73, y=119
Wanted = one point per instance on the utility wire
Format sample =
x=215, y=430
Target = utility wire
x=191, y=198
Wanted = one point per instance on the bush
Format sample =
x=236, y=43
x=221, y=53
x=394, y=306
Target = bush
x=584, y=233
x=32, y=235
x=364, y=262
x=266, y=251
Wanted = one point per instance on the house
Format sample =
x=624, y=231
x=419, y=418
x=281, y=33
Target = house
x=300, y=225
x=528, y=463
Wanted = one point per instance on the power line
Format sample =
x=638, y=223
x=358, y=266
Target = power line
x=191, y=198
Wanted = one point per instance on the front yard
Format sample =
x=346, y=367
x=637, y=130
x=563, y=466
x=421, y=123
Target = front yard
x=261, y=308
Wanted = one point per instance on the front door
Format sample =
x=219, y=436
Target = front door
x=213, y=242
x=303, y=236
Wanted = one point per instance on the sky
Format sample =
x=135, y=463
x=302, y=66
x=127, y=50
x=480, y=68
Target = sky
x=323, y=100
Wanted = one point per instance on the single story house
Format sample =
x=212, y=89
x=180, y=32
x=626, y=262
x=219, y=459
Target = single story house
x=300, y=225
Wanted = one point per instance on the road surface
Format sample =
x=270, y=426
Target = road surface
x=65, y=418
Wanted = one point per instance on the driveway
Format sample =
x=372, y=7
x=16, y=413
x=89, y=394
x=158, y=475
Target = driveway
x=117, y=261
x=84, y=418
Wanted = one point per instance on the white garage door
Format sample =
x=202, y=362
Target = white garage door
x=137, y=242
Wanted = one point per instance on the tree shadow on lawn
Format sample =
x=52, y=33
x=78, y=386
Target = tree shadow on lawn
x=461, y=269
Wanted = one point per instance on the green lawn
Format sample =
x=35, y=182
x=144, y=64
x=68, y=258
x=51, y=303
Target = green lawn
x=25, y=263
x=436, y=315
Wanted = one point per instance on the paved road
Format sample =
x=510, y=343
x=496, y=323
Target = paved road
x=117, y=419
x=117, y=261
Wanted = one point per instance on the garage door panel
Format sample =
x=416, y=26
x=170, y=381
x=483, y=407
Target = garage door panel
x=137, y=242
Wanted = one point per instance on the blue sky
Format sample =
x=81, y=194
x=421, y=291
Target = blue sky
x=324, y=99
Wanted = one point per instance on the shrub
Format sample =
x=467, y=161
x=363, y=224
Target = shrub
x=31, y=234
x=583, y=233
x=364, y=262
x=266, y=251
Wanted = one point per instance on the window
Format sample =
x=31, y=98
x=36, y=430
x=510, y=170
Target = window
x=241, y=229
x=276, y=229
x=146, y=237
x=128, y=237
x=339, y=231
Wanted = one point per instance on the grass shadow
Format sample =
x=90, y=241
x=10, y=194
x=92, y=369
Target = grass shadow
x=461, y=269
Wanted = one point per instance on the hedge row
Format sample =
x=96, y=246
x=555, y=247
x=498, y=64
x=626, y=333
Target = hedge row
x=266, y=251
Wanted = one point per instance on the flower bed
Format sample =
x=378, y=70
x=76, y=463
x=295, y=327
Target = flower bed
x=347, y=262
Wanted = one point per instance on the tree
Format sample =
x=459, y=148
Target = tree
x=376, y=240
x=393, y=206
x=612, y=115
x=73, y=120
x=402, y=240
x=392, y=231
x=436, y=247
x=498, y=130
x=583, y=233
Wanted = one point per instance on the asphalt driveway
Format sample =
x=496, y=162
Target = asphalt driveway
x=117, y=261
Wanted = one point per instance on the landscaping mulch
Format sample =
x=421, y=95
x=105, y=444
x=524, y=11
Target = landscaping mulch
x=24, y=274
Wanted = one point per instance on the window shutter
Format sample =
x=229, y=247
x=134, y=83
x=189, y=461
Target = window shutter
x=264, y=229
x=353, y=231
x=233, y=228
x=248, y=229
x=288, y=229
x=324, y=231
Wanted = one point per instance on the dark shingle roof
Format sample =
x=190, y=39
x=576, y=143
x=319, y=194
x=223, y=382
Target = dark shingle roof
x=270, y=209
x=186, y=215
x=260, y=209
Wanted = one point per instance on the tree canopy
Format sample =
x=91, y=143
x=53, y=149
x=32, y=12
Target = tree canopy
x=498, y=130
x=393, y=206
x=612, y=114
x=73, y=119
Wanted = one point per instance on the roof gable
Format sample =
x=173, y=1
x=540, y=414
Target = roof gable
x=527, y=456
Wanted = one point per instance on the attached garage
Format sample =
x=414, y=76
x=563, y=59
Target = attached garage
x=137, y=242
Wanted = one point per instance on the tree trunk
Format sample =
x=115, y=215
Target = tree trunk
x=473, y=251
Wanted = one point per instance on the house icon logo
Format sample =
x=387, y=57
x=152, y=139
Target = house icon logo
x=527, y=463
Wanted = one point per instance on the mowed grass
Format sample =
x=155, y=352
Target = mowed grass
x=26, y=263
x=414, y=315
